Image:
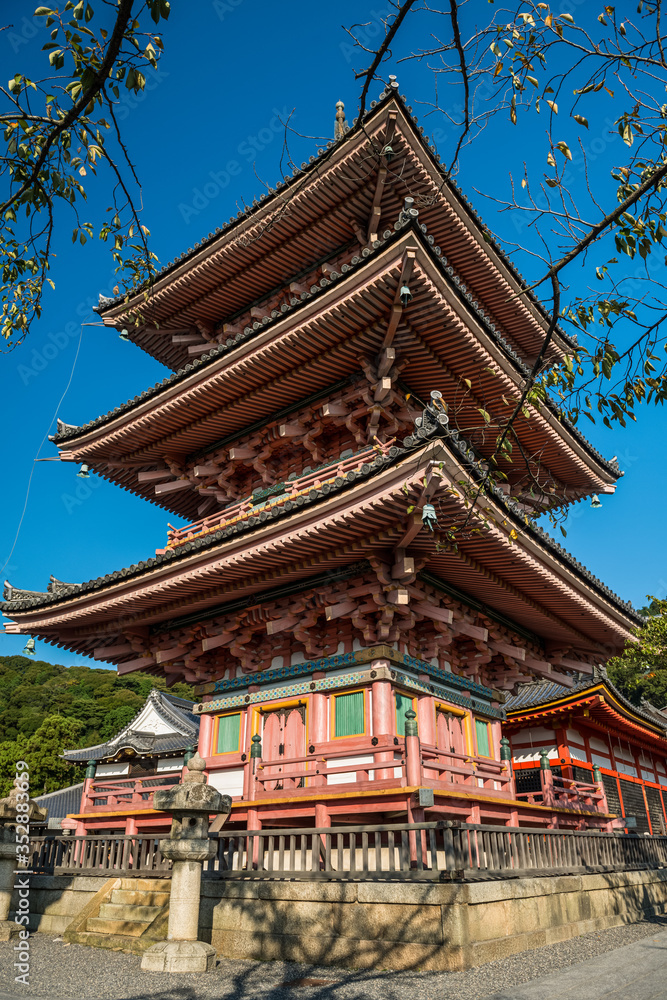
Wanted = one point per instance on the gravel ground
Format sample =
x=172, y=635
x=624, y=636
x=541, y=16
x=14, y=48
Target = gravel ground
x=60, y=971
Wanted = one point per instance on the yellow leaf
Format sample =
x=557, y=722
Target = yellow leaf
x=513, y=535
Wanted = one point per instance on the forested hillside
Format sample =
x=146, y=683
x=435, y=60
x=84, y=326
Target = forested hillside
x=46, y=708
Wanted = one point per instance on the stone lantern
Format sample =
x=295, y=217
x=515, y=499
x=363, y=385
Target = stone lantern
x=190, y=804
x=13, y=814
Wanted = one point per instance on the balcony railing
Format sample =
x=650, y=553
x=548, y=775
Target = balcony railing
x=384, y=762
x=361, y=765
x=467, y=769
x=107, y=795
x=322, y=478
x=436, y=851
x=566, y=793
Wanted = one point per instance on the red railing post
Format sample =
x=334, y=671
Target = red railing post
x=413, y=764
x=547, y=780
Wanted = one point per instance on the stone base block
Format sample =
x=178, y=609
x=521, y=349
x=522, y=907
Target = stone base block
x=179, y=956
x=8, y=930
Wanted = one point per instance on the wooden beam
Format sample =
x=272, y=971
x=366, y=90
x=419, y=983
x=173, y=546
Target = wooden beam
x=291, y=430
x=561, y=661
x=104, y=652
x=432, y=611
x=213, y=641
x=280, y=624
x=514, y=651
x=474, y=631
x=334, y=410
x=173, y=653
x=239, y=454
x=387, y=358
x=403, y=568
x=397, y=308
x=131, y=665
x=415, y=525
x=376, y=210
x=398, y=596
x=153, y=475
x=186, y=338
x=339, y=610
x=178, y=484
x=541, y=666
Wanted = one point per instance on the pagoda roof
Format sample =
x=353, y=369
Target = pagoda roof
x=329, y=529
x=341, y=175
x=536, y=701
x=160, y=711
x=310, y=343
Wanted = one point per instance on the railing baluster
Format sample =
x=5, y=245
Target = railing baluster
x=379, y=851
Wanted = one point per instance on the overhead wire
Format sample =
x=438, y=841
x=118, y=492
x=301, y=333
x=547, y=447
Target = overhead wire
x=41, y=445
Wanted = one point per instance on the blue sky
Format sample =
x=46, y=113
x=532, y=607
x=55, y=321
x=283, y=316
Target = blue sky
x=204, y=137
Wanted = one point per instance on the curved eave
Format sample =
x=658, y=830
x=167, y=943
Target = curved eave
x=319, y=340
x=598, y=698
x=334, y=193
x=528, y=579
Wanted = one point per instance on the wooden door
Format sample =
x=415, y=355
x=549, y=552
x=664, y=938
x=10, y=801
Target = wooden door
x=449, y=740
x=295, y=743
x=283, y=737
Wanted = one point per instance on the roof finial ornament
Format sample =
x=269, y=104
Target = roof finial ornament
x=341, y=126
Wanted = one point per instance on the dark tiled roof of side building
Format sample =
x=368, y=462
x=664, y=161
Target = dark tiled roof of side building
x=176, y=712
x=544, y=691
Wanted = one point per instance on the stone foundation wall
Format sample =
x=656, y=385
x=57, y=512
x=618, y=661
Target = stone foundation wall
x=389, y=925
x=421, y=926
x=56, y=899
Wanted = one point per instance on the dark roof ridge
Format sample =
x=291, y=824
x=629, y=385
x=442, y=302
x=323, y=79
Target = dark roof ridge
x=391, y=92
x=584, y=684
x=186, y=723
x=456, y=444
x=357, y=261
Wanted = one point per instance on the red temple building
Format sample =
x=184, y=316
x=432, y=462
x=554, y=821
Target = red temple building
x=571, y=732
x=123, y=773
x=350, y=592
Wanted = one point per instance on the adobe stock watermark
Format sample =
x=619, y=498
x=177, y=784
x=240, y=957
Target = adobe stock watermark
x=39, y=359
x=225, y=7
x=23, y=32
x=83, y=491
x=576, y=511
x=220, y=179
x=22, y=873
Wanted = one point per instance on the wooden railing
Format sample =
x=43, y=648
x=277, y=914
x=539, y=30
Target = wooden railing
x=325, y=475
x=438, y=851
x=316, y=768
x=566, y=793
x=465, y=768
x=105, y=795
x=99, y=855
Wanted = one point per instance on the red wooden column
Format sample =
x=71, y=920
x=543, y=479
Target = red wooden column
x=384, y=719
x=206, y=735
x=317, y=734
x=564, y=752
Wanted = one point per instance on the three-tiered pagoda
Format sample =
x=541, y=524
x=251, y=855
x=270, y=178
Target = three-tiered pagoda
x=343, y=355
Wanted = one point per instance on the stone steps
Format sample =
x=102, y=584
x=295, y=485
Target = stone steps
x=127, y=914
x=128, y=897
x=132, y=912
x=122, y=928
